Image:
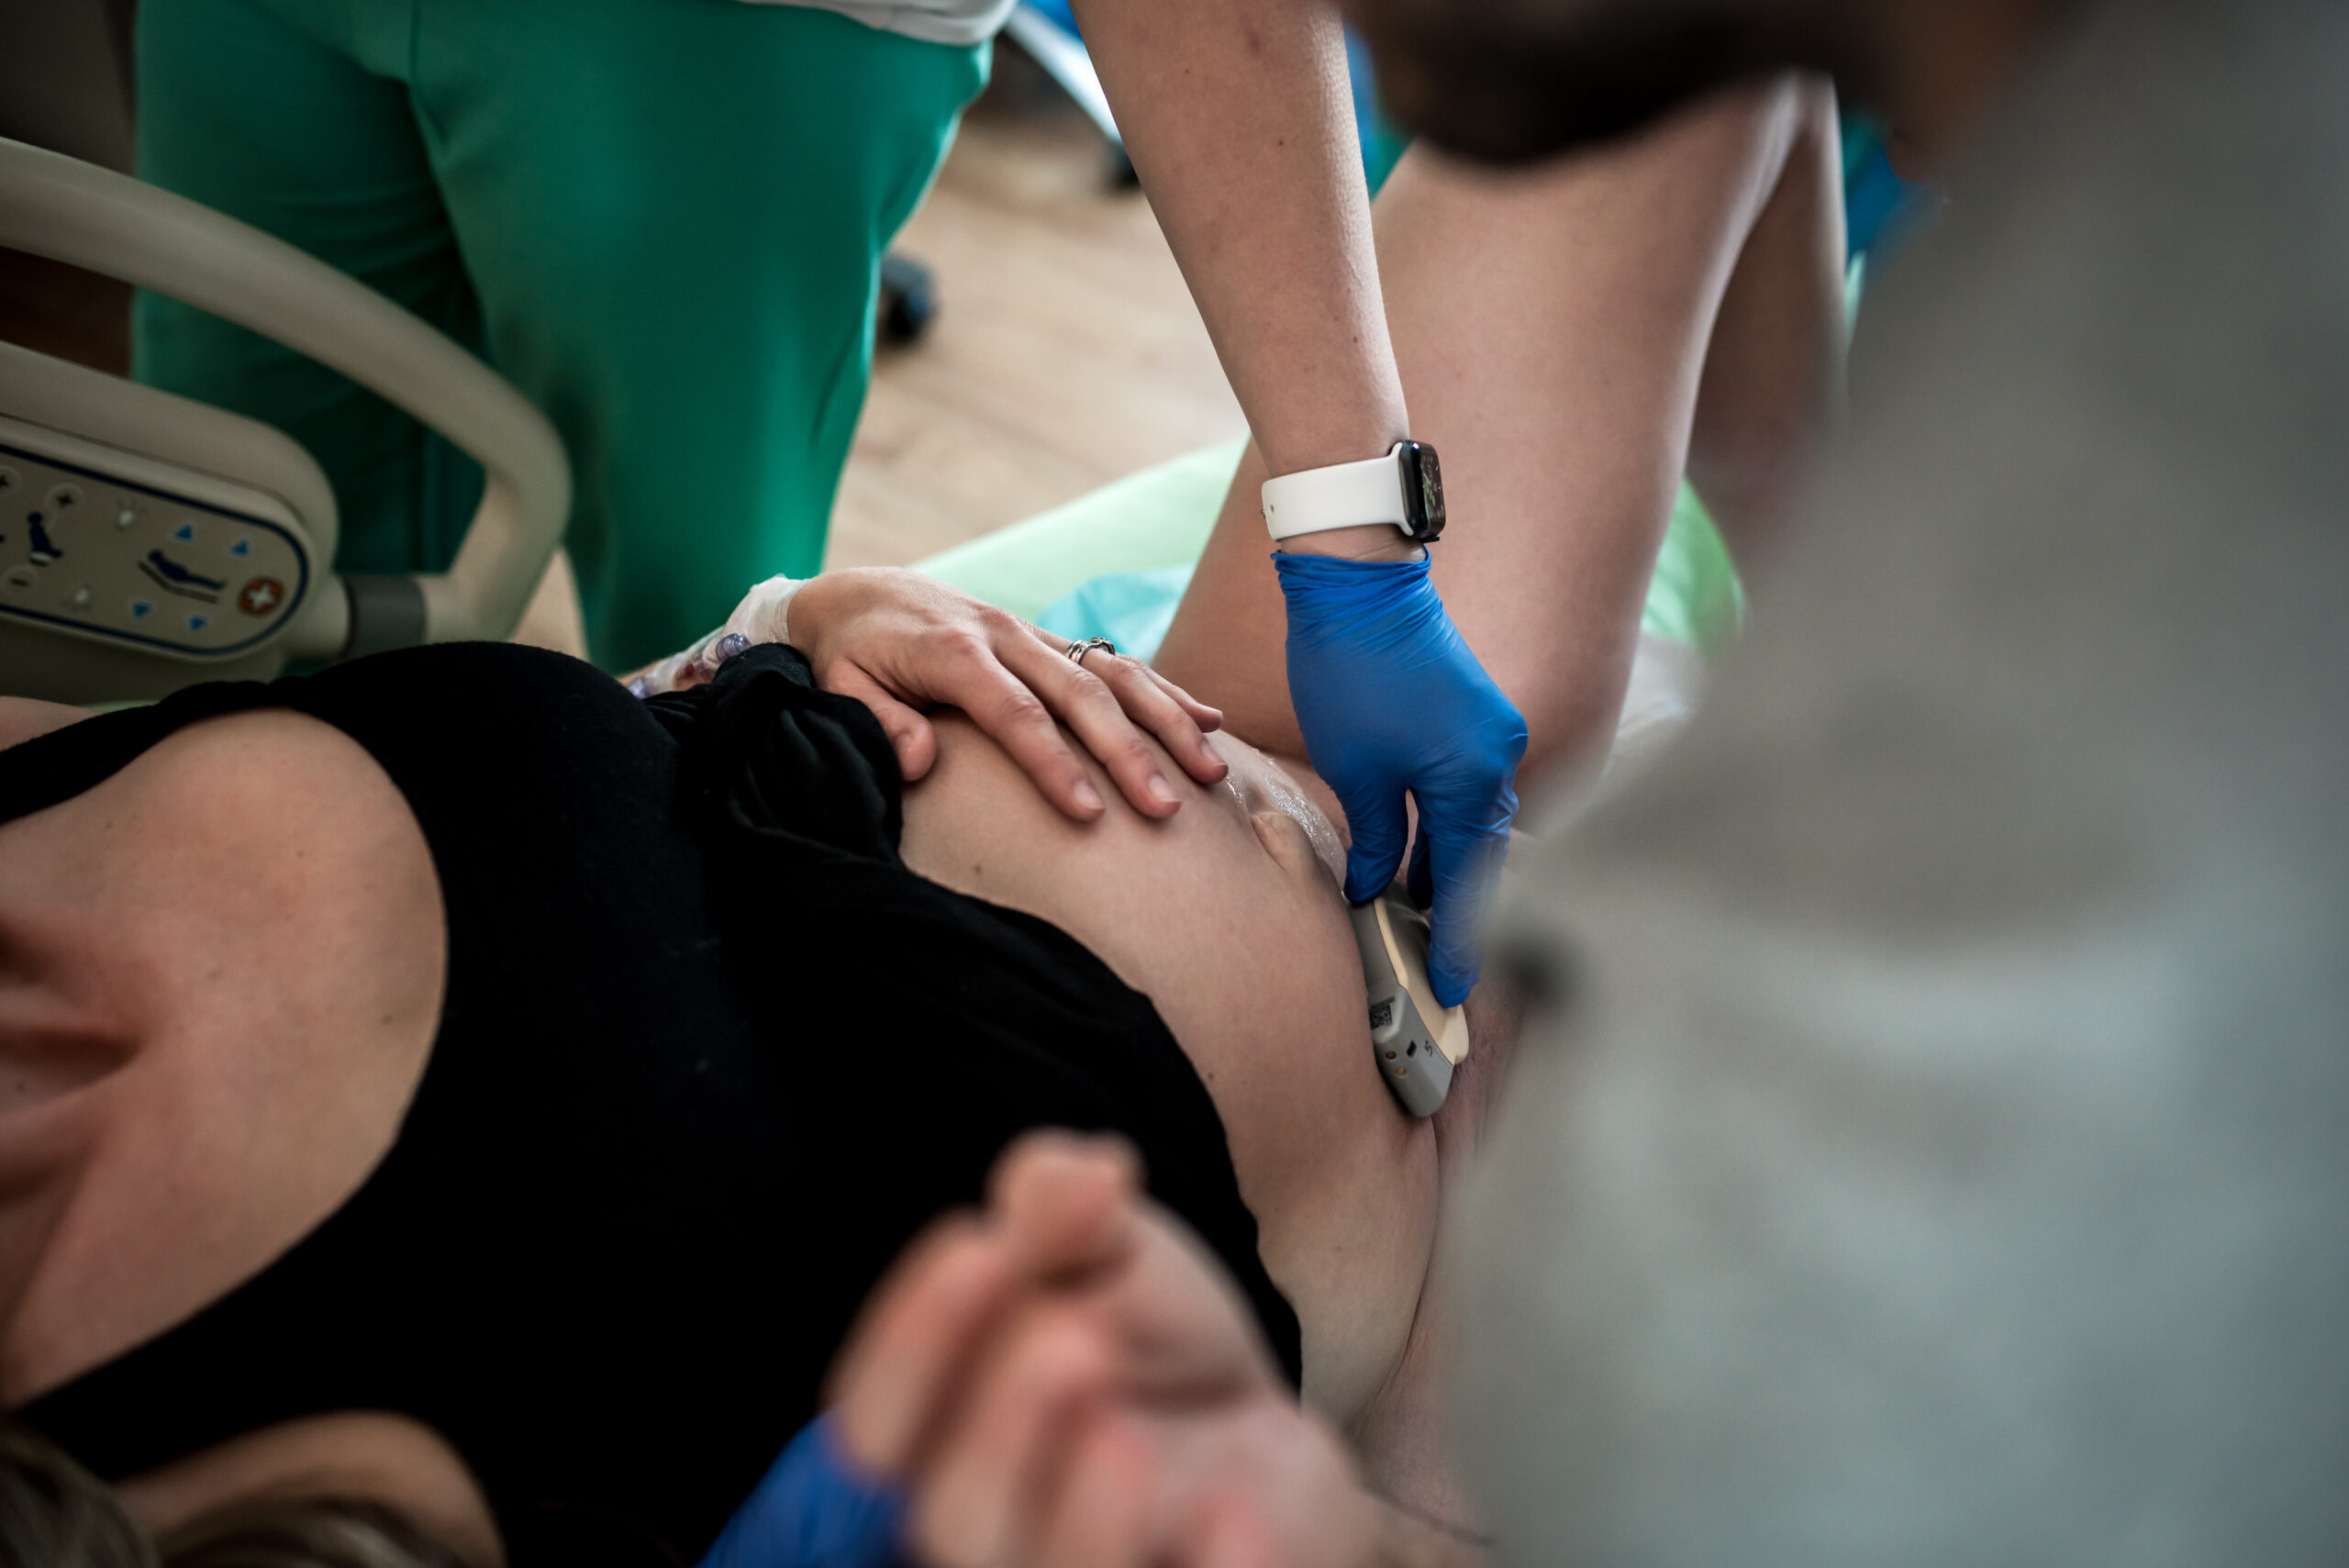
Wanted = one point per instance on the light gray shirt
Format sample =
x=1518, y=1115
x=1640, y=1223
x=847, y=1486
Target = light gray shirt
x=1941, y=1154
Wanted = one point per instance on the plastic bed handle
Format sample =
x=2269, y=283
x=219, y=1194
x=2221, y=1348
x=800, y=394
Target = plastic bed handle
x=108, y=223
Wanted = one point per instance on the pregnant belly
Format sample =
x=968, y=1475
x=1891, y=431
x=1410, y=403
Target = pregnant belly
x=1228, y=920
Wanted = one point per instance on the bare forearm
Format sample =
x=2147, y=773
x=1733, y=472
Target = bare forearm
x=1239, y=120
x=1555, y=325
x=1407, y=1540
x=1774, y=372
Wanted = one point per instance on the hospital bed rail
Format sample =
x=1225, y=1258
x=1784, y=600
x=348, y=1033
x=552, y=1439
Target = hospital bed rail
x=138, y=441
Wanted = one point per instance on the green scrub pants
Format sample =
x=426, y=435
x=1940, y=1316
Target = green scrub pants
x=660, y=218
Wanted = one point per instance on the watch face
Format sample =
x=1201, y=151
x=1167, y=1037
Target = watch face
x=1422, y=489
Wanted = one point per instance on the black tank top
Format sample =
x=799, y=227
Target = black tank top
x=710, y=1056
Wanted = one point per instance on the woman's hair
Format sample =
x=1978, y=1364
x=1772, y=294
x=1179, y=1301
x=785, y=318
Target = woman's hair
x=54, y=1514
x=307, y=1532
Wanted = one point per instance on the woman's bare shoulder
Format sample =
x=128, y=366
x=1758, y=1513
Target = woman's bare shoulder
x=23, y=719
x=259, y=846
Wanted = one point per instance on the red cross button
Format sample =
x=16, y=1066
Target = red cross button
x=261, y=595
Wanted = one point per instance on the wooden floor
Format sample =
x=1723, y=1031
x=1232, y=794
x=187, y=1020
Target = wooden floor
x=1066, y=350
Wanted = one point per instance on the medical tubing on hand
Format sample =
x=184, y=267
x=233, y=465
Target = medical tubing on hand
x=813, y=1509
x=1391, y=700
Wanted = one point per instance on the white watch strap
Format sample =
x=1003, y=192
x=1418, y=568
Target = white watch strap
x=1343, y=495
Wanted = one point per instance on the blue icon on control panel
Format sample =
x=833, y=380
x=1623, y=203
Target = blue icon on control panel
x=185, y=533
x=242, y=547
x=140, y=609
x=198, y=623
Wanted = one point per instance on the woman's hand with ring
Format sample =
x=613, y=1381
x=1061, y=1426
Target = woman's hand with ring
x=903, y=643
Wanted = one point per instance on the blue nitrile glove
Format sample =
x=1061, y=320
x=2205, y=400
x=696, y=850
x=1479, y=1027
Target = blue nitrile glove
x=1391, y=699
x=813, y=1510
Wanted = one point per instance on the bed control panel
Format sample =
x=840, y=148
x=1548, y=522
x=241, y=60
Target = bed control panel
x=128, y=549
x=1414, y=1043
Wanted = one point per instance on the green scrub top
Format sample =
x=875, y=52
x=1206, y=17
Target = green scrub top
x=659, y=218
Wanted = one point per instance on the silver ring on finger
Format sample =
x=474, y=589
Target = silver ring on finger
x=1077, y=650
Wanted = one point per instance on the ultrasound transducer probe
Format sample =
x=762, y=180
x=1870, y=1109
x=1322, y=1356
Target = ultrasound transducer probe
x=1415, y=1043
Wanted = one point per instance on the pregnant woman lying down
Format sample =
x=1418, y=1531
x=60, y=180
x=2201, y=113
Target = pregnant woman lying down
x=454, y=1042
x=452, y=1081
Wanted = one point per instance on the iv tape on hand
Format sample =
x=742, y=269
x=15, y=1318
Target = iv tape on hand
x=763, y=616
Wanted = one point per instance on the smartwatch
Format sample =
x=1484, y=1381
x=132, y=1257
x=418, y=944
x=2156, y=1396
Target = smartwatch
x=1403, y=490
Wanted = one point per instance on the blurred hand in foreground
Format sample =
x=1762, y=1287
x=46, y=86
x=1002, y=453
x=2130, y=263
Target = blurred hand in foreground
x=1067, y=1380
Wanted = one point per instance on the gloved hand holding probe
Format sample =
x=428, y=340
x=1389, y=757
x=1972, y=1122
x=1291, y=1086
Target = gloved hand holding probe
x=1391, y=699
